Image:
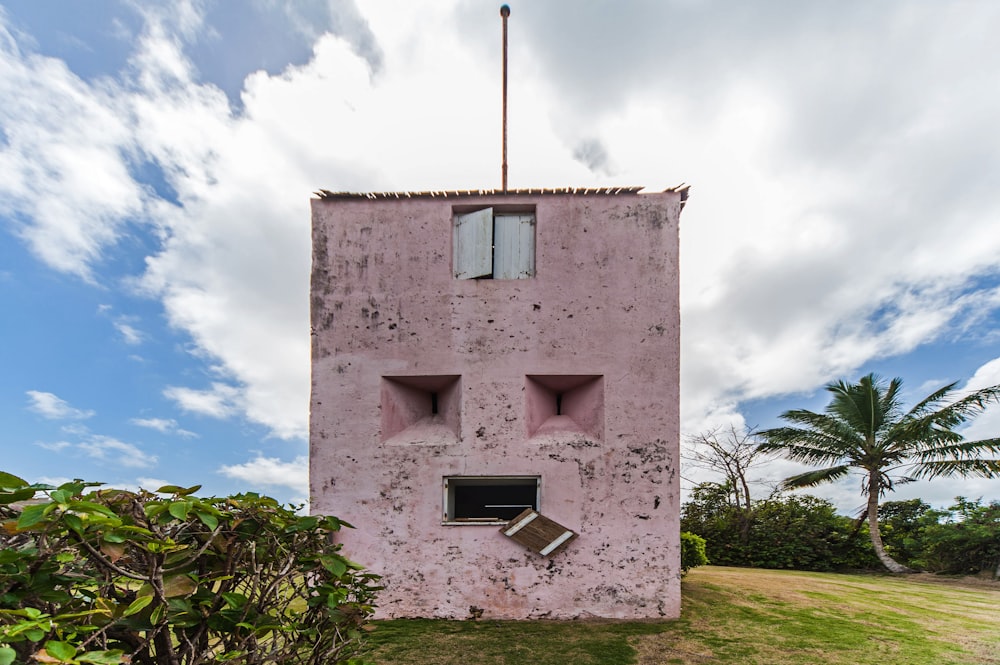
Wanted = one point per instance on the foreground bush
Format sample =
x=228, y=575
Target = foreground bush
x=111, y=576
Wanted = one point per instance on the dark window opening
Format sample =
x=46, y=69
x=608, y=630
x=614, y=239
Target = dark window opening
x=434, y=404
x=489, y=500
x=559, y=404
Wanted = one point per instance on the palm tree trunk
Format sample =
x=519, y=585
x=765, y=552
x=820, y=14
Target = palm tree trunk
x=876, y=535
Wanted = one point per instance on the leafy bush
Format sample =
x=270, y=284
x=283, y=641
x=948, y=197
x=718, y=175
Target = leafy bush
x=964, y=540
x=783, y=531
x=112, y=576
x=692, y=551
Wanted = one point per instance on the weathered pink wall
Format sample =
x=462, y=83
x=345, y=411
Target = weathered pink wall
x=603, y=302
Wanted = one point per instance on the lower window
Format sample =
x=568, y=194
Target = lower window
x=488, y=499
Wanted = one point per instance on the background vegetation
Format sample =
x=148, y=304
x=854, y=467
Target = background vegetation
x=803, y=532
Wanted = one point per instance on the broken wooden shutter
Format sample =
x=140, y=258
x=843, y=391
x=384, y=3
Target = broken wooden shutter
x=514, y=246
x=538, y=533
x=474, y=244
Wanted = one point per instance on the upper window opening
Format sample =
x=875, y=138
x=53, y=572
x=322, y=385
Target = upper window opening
x=494, y=245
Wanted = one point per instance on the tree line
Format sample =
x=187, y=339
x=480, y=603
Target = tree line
x=864, y=430
x=803, y=532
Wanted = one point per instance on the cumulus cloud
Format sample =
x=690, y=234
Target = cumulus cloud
x=52, y=407
x=164, y=426
x=271, y=471
x=219, y=401
x=104, y=449
x=119, y=452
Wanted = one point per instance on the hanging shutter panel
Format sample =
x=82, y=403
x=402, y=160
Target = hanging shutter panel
x=538, y=533
x=514, y=246
x=473, y=255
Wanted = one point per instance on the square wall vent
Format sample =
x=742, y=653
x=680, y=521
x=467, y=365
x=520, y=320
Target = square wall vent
x=565, y=404
x=421, y=409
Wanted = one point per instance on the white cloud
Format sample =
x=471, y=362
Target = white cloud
x=219, y=401
x=271, y=471
x=106, y=448
x=164, y=426
x=986, y=425
x=55, y=446
x=151, y=484
x=100, y=448
x=130, y=334
x=52, y=407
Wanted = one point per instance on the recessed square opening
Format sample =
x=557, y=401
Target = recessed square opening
x=421, y=409
x=565, y=405
x=488, y=499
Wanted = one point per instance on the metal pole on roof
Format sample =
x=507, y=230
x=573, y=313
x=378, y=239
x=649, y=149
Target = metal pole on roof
x=504, y=13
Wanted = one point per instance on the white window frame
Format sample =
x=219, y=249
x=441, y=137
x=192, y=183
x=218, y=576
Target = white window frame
x=494, y=245
x=449, y=483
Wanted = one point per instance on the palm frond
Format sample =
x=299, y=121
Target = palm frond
x=816, y=477
x=983, y=468
x=957, y=450
x=930, y=403
x=804, y=445
x=948, y=417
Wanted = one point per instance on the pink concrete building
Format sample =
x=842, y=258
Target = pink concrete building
x=483, y=358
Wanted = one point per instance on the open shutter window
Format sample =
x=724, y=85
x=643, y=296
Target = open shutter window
x=473, y=255
x=514, y=241
x=538, y=533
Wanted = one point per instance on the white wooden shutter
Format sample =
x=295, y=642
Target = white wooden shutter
x=473, y=241
x=514, y=246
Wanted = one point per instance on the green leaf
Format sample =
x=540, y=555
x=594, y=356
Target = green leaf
x=154, y=508
x=7, y=655
x=16, y=495
x=335, y=564
x=178, y=490
x=34, y=634
x=137, y=605
x=60, y=496
x=33, y=514
x=74, y=522
x=208, y=519
x=234, y=600
x=11, y=482
x=180, y=509
x=101, y=657
x=61, y=651
x=91, y=507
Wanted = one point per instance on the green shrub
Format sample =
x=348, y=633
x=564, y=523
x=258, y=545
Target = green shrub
x=111, y=576
x=799, y=532
x=692, y=551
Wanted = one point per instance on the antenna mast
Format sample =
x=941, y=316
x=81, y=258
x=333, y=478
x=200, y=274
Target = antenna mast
x=504, y=13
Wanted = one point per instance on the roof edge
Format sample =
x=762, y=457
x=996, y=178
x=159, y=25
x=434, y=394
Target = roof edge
x=326, y=194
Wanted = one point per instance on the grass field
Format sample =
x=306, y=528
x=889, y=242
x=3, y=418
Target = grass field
x=737, y=615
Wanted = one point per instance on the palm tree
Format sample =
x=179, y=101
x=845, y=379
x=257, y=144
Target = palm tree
x=865, y=429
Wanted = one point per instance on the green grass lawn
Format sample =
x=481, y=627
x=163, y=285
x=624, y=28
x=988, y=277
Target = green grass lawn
x=737, y=615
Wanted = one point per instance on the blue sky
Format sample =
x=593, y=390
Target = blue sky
x=157, y=161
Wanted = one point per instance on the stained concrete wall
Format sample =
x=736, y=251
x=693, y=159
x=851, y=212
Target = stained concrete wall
x=603, y=302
